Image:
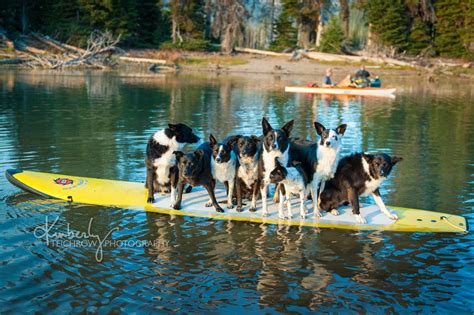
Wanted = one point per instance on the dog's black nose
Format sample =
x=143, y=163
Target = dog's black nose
x=218, y=159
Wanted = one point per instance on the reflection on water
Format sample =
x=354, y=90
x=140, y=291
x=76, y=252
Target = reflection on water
x=97, y=124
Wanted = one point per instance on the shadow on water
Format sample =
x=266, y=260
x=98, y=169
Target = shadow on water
x=97, y=124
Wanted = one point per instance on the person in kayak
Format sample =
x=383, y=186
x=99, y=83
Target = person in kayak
x=361, y=78
x=327, y=80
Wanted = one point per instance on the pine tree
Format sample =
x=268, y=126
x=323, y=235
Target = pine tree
x=389, y=22
x=449, y=28
x=285, y=31
x=333, y=36
x=419, y=38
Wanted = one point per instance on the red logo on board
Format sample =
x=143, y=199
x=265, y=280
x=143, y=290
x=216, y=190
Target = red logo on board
x=63, y=181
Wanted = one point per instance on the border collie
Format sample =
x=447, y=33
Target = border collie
x=294, y=180
x=276, y=144
x=160, y=160
x=357, y=175
x=224, y=165
x=194, y=169
x=319, y=160
x=247, y=183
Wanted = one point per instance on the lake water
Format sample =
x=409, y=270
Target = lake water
x=97, y=125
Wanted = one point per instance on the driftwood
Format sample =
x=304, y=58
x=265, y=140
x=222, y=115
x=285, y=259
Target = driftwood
x=142, y=60
x=12, y=61
x=327, y=57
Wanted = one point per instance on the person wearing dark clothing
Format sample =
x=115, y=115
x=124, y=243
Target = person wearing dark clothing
x=362, y=73
x=327, y=81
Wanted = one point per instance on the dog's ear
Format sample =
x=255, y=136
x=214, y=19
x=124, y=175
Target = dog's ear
x=396, y=159
x=199, y=153
x=288, y=127
x=277, y=163
x=178, y=154
x=368, y=157
x=172, y=126
x=319, y=128
x=233, y=140
x=255, y=138
x=212, y=140
x=341, y=129
x=266, y=127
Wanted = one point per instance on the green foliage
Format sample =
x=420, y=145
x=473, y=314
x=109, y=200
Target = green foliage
x=449, y=28
x=419, y=38
x=284, y=29
x=192, y=44
x=389, y=22
x=333, y=36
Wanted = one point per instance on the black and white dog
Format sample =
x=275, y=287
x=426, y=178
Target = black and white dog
x=224, y=165
x=276, y=144
x=357, y=175
x=247, y=183
x=294, y=180
x=319, y=160
x=194, y=169
x=160, y=160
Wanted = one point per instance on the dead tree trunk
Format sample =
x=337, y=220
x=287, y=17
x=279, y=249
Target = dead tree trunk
x=345, y=16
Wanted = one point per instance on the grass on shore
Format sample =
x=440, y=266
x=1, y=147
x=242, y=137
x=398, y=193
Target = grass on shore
x=209, y=60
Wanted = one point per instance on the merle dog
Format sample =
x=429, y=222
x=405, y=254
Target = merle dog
x=247, y=183
x=319, y=160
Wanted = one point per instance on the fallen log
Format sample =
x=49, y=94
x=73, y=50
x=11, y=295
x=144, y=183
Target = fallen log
x=49, y=41
x=261, y=52
x=142, y=60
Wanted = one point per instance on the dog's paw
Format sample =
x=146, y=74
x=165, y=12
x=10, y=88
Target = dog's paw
x=393, y=216
x=230, y=205
x=264, y=214
x=317, y=214
x=360, y=219
x=150, y=200
x=208, y=204
x=252, y=209
x=176, y=206
x=219, y=209
x=334, y=212
x=239, y=209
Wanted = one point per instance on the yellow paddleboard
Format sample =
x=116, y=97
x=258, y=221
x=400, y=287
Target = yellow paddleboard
x=132, y=195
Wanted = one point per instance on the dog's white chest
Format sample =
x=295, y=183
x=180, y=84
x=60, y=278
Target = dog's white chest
x=167, y=159
x=248, y=171
x=269, y=161
x=327, y=162
x=371, y=185
x=224, y=172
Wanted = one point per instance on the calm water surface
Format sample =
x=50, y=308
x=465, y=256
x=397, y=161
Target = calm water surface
x=97, y=125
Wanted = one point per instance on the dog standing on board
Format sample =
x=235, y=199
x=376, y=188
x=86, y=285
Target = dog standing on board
x=194, y=169
x=276, y=144
x=319, y=160
x=247, y=183
x=224, y=165
x=357, y=175
x=160, y=160
x=294, y=180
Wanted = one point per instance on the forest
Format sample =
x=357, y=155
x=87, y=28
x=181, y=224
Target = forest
x=426, y=28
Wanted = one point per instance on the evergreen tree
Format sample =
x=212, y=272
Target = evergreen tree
x=117, y=16
x=285, y=31
x=419, y=38
x=389, y=22
x=449, y=28
x=333, y=36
